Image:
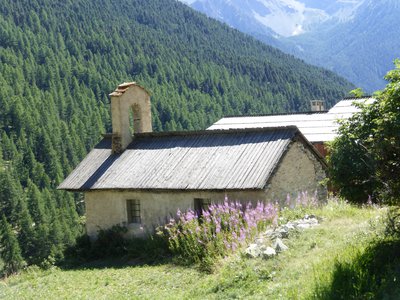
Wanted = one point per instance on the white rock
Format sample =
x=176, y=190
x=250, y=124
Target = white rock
x=268, y=253
x=279, y=246
x=303, y=225
x=260, y=241
x=284, y=233
x=289, y=226
x=253, y=251
x=269, y=232
x=276, y=235
x=295, y=223
x=262, y=248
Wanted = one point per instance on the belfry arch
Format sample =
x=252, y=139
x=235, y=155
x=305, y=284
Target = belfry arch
x=129, y=97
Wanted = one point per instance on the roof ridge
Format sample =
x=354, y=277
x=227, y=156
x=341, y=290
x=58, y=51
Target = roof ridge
x=215, y=132
x=278, y=114
x=208, y=132
x=356, y=98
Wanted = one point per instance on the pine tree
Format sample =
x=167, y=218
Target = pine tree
x=9, y=249
x=36, y=204
x=10, y=194
x=42, y=244
x=26, y=237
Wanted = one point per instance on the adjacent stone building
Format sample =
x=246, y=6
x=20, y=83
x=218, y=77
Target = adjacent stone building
x=141, y=179
x=318, y=126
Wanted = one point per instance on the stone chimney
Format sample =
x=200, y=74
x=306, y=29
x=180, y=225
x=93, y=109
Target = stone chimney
x=128, y=97
x=317, y=105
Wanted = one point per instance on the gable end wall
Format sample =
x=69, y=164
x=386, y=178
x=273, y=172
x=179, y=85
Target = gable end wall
x=299, y=171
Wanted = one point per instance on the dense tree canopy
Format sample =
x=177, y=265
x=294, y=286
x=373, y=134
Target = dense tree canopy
x=365, y=158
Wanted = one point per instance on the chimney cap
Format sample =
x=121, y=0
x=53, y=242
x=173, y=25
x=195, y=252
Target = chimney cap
x=123, y=87
x=317, y=101
x=317, y=105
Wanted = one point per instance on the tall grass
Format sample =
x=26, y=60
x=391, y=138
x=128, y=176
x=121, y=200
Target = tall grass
x=367, y=269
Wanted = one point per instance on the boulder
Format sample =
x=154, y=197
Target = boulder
x=313, y=221
x=269, y=233
x=260, y=247
x=253, y=251
x=279, y=246
x=283, y=232
x=289, y=226
x=303, y=225
x=268, y=253
x=260, y=241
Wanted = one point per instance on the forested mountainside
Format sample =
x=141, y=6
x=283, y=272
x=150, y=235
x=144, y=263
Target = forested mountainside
x=357, y=39
x=60, y=59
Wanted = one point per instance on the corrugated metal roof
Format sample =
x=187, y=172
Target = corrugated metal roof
x=347, y=106
x=316, y=127
x=205, y=160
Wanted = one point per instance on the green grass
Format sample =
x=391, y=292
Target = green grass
x=307, y=270
x=372, y=272
x=369, y=269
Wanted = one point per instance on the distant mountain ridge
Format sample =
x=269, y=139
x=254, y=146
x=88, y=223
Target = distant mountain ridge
x=282, y=18
x=357, y=39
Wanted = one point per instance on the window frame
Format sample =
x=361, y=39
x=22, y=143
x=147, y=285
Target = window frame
x=133, y=211
x=201, y=204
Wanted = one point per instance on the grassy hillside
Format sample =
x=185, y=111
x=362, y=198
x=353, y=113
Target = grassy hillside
x=312, y=267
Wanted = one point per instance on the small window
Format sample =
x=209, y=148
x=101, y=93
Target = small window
x=133, y=210
x=201, y=204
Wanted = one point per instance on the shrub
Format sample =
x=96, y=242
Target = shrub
x=151, y=249
x=364, y=158
x=392, y=223
x=80, y=252
x=110, y=242
x=219, y=230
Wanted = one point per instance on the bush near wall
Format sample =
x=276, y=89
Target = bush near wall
x=365, y=158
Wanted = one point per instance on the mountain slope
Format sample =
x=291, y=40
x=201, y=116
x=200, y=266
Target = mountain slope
x=356, y=39
x=278, y=18
x=60, y=59
x=362, y=49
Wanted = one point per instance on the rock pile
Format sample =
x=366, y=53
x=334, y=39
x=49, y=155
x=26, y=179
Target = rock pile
x=269, y=243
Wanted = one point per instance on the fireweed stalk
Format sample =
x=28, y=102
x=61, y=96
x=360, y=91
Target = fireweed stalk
x=219, y=230
x=303, y=200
